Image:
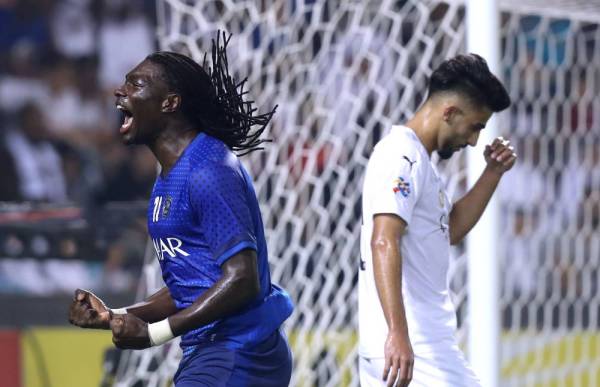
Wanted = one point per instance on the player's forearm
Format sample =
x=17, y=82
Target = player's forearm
x=467, y=211
x=236, y=289
x=387, y=268
x=158, y=306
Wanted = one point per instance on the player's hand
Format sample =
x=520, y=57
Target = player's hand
x=129, y=332
x=500, y=156
x=399, y=360
x=88, y=311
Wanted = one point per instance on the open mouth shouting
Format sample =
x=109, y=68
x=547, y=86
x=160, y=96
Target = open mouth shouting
x=127, y=118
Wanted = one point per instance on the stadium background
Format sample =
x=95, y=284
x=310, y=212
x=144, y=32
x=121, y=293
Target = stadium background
x=342, y=72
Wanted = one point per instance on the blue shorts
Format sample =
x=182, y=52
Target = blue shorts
x=268, y=364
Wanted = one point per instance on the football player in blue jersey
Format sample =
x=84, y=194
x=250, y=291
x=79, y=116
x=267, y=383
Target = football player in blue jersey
x=206, y=227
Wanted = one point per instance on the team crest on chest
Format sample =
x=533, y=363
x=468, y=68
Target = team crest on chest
x=402, y=186
x=167, y=206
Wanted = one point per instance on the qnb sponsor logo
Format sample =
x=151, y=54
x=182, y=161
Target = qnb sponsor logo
x=169, y=246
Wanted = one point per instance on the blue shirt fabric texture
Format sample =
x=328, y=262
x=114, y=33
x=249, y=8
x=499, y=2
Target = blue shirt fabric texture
x=202, y=213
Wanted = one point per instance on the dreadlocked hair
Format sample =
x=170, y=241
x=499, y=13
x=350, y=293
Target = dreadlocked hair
x=211, y=98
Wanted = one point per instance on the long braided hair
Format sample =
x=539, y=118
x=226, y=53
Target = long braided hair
x=213, y=100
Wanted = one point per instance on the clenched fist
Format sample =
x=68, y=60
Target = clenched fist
x=129, y=332
x=500, y=156
x=88, y=311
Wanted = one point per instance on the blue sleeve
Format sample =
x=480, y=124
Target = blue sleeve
x=218, y=195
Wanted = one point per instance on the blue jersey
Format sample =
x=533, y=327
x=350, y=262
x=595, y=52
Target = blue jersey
x=201, y=214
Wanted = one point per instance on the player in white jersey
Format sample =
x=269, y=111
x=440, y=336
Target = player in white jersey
x=407, y=322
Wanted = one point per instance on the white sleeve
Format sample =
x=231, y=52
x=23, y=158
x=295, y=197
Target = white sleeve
x=397, y=179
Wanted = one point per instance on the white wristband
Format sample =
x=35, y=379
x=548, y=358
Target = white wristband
x=119, y=311
x=160, y=332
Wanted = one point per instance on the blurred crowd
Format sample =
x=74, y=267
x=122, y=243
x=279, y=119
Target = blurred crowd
x=60, y=61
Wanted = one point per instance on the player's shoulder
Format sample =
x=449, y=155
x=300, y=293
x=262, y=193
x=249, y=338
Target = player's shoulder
x=401, y=142
x=212, y=160
x=208, y=149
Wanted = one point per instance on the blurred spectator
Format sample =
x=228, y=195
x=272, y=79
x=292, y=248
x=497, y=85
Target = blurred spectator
x=74, y=29
x=36, y=162
x=93, y=110
x=125, y=38
x=24, y=23
x=22, y=81
x=582, y=109
x=580, y=186
x=9, y=189
x=526, y=185
x=73, y=104
x=522, y=255
x=61, y=104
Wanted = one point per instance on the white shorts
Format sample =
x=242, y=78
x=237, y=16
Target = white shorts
x=447, y=368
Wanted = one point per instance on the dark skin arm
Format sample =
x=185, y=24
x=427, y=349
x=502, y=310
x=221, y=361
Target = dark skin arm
x=387, y=266
x=157, y=307
x=238, y=286
x=500, y=157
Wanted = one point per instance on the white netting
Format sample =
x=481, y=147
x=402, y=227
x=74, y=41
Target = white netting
x=342, y=72
x=552, y=199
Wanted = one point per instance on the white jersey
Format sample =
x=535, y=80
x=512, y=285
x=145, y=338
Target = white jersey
x=400, y=179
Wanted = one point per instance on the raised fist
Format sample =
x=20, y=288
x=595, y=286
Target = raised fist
x=500, y=155
x=88, y=311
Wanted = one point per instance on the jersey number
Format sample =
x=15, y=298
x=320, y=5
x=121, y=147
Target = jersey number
x=157, y=204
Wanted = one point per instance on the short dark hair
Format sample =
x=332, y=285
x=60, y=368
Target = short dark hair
x=212, y=99
x=471, y=76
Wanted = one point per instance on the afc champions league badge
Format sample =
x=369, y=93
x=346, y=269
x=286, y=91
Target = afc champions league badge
x=402, y=186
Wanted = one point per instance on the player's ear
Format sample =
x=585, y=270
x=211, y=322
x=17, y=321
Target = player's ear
x=450, y=112
x=171, y=103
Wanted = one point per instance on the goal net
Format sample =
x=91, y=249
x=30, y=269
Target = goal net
x=551, y=201
x=344, y=71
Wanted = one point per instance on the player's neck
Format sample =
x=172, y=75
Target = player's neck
x=425, y=126
x=170, y=145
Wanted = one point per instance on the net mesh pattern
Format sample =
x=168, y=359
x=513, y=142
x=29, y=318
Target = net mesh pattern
x=342, y=72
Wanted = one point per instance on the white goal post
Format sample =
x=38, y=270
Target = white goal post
x=483, y=38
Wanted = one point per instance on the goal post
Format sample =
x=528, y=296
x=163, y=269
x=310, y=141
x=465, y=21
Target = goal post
x=483, y=38
x=343, y=72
